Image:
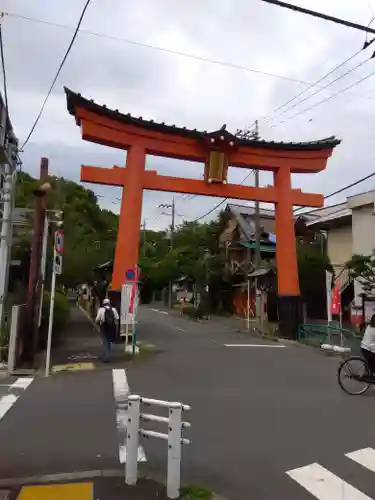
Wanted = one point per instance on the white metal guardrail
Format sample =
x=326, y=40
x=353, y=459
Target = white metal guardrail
x=174, y=438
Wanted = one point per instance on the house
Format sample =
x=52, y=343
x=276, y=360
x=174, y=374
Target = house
x=350, y=229
x=238, y=241
x=238, y=238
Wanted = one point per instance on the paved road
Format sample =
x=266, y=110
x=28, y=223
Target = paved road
x=267, y=422
x=258, y=412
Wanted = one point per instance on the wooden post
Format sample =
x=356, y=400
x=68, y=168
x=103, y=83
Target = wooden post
x=30, y=333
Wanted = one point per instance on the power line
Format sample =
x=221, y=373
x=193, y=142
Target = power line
x=268, y=118
x=320, y=15
x=58, y=72
x=4, y=72
x=163, y=49
x=322, y=88
x=345, y=188
x=326, y=99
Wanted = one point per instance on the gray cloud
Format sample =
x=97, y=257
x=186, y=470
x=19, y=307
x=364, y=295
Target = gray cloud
x=185, y=91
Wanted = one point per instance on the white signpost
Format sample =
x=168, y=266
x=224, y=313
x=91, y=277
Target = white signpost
x=127, y=318
x=329, y=277
x=56, y=269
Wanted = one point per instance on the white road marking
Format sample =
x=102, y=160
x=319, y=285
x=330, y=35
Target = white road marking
x=253, y=345
x=8, y=400
x=176, y=328
x=365, y=457
x=324, y=485
x=22, y=383
x=158, y=311
x=121, y=392
x=6, y=403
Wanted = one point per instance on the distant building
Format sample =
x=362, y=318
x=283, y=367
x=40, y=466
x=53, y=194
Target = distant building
x=349, y=229
x=238, y=241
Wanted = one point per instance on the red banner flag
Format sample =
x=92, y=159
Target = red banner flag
x=134, y=289
x=336, y=300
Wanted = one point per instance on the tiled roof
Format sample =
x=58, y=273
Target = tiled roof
x=249, y=210
x=74, y=100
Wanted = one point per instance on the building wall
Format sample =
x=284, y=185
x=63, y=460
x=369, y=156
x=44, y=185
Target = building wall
x=363, y=221
x=340, y=245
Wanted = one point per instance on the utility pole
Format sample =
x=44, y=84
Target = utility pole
x=171, y=246
x=144, y=238
x=173, y=207
x=257, y=211
x=5, y=237
x=257, y=225
x=8, y=163
x=35, y=279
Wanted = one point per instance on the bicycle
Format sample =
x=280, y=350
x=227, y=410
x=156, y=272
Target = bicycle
x=357, y=370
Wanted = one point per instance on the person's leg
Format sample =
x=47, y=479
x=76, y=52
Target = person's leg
x=370, y=359
x=371, y=362
x=105, y=348
x=109, y=347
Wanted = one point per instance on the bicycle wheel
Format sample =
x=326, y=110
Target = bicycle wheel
x=353, y=376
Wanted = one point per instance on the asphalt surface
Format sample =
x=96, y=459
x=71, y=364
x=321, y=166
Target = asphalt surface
x=257, y=412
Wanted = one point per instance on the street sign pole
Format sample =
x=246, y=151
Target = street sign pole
x=56, y=269
x=50, y=319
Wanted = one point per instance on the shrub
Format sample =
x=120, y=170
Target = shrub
x=61, y=314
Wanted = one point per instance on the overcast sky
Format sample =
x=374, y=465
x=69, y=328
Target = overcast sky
x=189, y=92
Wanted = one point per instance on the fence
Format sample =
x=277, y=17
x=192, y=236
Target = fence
x=174, y=438
x=329, y=337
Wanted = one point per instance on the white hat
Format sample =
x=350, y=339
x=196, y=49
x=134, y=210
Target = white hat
x=106, y=302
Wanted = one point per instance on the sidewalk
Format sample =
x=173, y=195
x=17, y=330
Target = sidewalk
x=101, y=488
x=98, y=488
x=79, y=345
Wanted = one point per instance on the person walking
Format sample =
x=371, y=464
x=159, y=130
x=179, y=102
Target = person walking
x=108, y=321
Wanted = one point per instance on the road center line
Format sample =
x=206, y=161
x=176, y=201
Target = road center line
x=254, y=345
x=176, y=328
x=158, y=311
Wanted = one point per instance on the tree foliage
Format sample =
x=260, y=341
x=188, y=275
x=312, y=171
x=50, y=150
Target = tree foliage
x=193, y=253
x=90, y=232
x=362, y=268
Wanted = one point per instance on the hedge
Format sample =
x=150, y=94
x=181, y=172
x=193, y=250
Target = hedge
x=61, y=315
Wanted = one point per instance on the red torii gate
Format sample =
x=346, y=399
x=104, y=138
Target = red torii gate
x=217, y=150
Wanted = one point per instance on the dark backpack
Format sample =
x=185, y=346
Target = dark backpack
x=109, y=319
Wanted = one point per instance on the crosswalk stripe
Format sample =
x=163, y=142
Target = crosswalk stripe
x=364, y=457
x=6, y=403
x=325, y=485
x=22, y=383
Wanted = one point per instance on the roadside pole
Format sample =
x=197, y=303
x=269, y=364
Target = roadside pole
x=43, y=268
x=56, y=269
x=50, y=319
x=257, y=227
x=5, y=237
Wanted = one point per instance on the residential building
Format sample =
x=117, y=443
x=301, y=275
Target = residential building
x=349, y=229
x=238, y=241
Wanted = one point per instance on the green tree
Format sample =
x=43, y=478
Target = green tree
x=362, y=268
x=90, y=232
